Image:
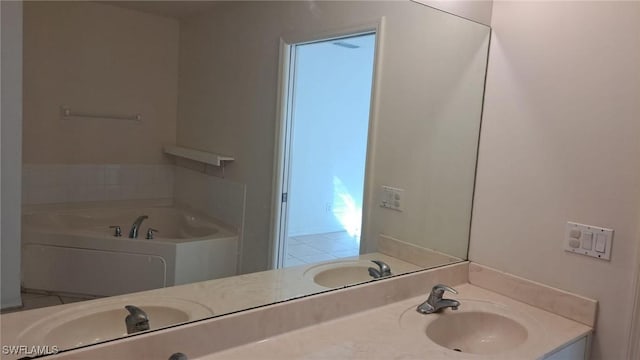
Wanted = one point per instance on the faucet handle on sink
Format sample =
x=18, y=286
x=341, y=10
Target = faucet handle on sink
x=435, y=303
x=118, y=230
x=150, y=233
x=440, y=289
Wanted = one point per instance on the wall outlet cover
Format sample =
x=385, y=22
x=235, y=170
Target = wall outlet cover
x=588, y=240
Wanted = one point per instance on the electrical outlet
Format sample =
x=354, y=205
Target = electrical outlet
x=392, y=198
x=588, y=240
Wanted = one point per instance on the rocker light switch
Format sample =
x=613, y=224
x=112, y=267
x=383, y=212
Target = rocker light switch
x=601, y=243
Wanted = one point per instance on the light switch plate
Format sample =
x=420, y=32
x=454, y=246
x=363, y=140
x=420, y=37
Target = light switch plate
x=588, y=240
x=392, y=198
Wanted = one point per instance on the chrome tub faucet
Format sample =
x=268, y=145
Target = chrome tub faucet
x=435, y=303
x=133, y=233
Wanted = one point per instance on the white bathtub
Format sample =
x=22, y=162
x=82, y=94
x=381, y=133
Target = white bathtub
x=71, y=249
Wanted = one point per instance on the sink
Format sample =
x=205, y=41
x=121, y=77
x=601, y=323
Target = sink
x=478, y=327
x=340, y=273
x=476, y=332
x=100, y=320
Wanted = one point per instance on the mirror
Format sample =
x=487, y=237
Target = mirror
x=127, y=107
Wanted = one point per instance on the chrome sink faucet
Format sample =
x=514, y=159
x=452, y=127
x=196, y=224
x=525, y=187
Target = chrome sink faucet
x=133, y=233
x=435, y=303
x=137, y=320
x=383, y=270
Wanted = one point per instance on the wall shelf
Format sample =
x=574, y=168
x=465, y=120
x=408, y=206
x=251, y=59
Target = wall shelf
x=197, y=155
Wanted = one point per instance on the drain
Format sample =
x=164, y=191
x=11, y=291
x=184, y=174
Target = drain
x=458, y=350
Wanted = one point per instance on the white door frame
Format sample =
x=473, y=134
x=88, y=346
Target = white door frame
x=283, y=122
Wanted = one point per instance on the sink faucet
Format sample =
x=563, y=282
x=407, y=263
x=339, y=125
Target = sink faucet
x=133, y=233
x=137, y=320
x=436, y=303
x=383, y=270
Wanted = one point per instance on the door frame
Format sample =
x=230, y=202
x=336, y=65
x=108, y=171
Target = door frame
x=277, y=238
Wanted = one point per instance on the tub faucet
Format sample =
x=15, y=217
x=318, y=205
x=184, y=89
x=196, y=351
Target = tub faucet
x=383, y=270
x=436, y=303
x=133, y=233
x=137, y=320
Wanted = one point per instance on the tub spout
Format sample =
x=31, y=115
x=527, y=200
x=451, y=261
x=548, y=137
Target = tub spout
x=133, y=233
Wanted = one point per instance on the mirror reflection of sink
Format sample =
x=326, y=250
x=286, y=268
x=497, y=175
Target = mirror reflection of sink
x=96, y=322
x=340, y=273
x=476, y=332
x=478, y=327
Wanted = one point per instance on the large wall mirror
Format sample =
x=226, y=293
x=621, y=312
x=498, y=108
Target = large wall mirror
x=194, y=159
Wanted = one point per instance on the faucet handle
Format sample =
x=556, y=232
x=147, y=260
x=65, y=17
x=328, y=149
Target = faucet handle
x=118, y=230
x=440, y=289
x=150, y=233
x=385, y=270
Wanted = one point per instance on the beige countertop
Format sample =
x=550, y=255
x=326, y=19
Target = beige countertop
x=209, y=298
x=384, y=333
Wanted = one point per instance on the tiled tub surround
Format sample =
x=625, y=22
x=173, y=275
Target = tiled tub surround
x=69, y=183
x=222, y=296
x=360, y=322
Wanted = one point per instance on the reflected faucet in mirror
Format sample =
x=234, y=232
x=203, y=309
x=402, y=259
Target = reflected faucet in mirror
x=383, y=270
x=137, y=320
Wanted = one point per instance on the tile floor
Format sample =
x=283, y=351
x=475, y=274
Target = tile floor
x=36, y=300
x=310, y=249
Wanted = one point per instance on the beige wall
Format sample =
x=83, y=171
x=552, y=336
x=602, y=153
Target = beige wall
x=228, y=97
x=98, y=58
x=560, y=142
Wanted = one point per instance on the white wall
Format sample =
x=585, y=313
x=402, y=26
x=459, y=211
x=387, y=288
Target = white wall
x=332, y=94
x=98, y=58
x=228, y=98
x=560, y=142
x=11, y=141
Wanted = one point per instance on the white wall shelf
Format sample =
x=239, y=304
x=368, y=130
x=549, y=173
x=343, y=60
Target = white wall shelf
x=197, y=155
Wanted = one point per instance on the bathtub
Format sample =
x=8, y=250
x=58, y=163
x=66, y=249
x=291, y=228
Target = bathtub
x=70, y=248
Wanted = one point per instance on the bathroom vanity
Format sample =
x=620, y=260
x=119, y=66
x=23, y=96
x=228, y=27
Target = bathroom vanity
x=500, y=317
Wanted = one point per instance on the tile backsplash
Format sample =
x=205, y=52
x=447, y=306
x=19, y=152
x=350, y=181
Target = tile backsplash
x=61, y=183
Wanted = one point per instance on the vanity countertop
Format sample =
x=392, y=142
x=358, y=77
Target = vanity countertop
x=381, y=334
x=213, y=297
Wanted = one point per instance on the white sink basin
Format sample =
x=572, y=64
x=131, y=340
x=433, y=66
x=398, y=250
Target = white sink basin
x=476, y=332
x=477, y=327
x=340, y=273
x=100, y=320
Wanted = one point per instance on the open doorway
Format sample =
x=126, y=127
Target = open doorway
x=325, y=146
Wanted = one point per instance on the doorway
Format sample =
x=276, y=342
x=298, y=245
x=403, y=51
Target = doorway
x=329, y=83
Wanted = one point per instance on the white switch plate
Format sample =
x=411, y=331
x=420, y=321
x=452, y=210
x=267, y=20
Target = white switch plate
x=588, y=240
x=392, y=198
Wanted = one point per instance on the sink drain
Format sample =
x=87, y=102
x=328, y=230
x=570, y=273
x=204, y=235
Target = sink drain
x=458, y=350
